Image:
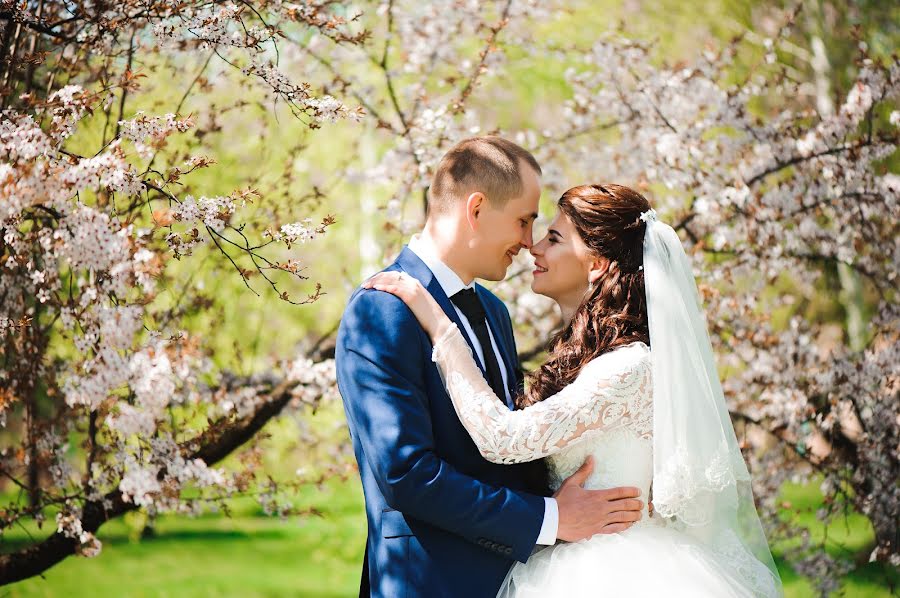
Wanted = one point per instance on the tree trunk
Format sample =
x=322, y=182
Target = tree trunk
x=851, y=296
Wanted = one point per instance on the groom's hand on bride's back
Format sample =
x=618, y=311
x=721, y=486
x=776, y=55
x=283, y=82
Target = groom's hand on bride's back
x=584, y=513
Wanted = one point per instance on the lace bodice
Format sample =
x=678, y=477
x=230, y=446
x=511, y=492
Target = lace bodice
x=607, y=411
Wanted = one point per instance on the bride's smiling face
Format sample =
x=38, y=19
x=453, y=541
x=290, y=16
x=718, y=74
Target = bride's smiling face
x=563, y=263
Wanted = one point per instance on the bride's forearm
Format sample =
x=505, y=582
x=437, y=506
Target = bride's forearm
x=441, y=334
x=439, y=324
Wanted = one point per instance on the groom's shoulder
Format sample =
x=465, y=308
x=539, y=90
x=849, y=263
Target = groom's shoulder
x=376, y=306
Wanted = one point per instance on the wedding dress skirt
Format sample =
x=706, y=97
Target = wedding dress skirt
x=653, y=558
x=648, y=559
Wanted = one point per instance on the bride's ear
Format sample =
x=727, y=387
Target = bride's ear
x=599, y=267
x=474, y=205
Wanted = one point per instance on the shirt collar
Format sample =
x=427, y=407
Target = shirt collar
x=449, y=280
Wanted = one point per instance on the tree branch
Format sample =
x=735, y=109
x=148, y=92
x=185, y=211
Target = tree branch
x=211, y=446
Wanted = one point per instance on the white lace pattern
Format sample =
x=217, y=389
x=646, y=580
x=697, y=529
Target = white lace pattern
x=681, y=480
x=611, y=392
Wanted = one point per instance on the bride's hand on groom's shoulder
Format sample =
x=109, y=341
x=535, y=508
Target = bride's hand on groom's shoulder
x=416, y=297
x=584, y=513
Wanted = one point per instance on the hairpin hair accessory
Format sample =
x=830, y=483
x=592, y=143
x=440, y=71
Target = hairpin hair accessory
x=649, y=216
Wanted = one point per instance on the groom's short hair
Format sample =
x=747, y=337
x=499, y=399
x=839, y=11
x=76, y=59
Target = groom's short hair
x=487, y=164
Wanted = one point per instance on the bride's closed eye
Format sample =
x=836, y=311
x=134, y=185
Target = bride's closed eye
x=553, y=236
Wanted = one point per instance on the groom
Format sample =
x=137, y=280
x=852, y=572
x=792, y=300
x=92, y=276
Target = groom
x=442, y=520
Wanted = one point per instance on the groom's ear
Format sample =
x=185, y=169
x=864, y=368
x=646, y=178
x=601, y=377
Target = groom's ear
x=474, y=205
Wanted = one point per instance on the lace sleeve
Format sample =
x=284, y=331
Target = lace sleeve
x=611, y=392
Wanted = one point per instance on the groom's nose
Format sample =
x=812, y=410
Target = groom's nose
x=527, y=238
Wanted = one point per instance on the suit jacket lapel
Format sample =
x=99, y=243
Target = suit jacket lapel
x=410, y=263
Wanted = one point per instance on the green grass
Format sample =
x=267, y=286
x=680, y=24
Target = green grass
x=847, y=537
x=249, y=555
x=252, y=555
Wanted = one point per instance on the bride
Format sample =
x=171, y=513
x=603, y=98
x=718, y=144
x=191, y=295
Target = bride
x=631, y=381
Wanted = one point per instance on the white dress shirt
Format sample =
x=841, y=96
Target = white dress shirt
x=451, y=284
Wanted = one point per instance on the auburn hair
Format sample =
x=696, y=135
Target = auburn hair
x=614, y=310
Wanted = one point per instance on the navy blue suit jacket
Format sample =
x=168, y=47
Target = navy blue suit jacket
x=442, y=520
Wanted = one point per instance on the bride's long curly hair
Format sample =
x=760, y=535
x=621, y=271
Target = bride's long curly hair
x=614, y=310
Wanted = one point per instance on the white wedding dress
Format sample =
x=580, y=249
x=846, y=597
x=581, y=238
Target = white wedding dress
x=606, y=412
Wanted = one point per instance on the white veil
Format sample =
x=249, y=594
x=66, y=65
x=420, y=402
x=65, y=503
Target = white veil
x=700, y=479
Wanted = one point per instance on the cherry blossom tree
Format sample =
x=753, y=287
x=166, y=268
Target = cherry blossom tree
x=776, y=198
x=89, y=353
x=771, y=196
